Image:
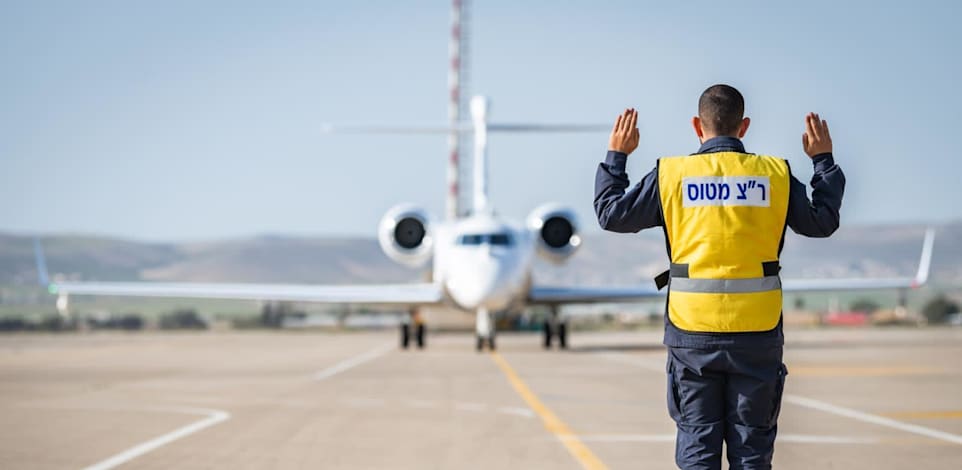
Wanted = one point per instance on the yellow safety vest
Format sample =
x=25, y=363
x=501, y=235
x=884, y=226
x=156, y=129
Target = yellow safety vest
x=724, y=223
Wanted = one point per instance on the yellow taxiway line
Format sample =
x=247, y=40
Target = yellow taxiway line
x=551, y=421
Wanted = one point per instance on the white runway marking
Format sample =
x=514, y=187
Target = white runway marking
x=822, y=406
x=352, y=362
x=670, y=438
x=824, y=439
x=523, y=412
x=476, y=407
x=870, y=418
x=216, y=416
x=213, y=417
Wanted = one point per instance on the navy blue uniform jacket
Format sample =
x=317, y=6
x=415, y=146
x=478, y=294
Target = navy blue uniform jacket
x=624, y=210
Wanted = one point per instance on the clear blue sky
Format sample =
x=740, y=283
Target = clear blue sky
x=181, y=120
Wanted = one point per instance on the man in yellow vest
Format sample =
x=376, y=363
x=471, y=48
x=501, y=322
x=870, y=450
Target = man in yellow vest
x=724, y=212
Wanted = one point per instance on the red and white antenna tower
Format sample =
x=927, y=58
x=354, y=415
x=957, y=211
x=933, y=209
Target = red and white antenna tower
x=457, y=80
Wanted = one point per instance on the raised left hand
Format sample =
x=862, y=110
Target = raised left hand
x=624, y=136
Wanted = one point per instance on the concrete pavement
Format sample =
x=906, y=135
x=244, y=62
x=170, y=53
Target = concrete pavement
x=855, y=399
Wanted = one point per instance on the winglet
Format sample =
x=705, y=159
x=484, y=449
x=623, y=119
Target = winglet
x=925, y=262
x=42, y=274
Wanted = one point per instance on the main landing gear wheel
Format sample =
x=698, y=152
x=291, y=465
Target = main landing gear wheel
x=419, y=335
x=413, y=325
x=405, y=335
x=489, y=341
x=555, y=327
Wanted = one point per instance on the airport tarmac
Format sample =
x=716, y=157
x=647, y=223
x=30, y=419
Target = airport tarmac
x=855, y=399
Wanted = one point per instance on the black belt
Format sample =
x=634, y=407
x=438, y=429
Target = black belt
x=769, y=268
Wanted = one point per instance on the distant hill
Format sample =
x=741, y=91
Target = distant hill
x=869, y=251
x=873, y=251
x=260, y=259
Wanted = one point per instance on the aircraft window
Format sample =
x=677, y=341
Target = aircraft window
x=502, y=239
x=471, y=239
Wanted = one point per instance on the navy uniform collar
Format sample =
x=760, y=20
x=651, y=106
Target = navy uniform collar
x=721, y=144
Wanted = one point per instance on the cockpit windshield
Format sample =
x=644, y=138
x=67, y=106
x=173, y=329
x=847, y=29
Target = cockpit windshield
x=502, y=239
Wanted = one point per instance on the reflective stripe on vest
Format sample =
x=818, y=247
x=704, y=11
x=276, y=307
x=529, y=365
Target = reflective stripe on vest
x=725, y=286
x=724, y=221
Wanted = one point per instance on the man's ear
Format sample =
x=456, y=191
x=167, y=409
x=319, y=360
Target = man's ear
x=744, y=127
x=696, y=123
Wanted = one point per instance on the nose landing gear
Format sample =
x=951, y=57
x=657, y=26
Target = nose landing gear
x=555, y=326
x=484, y=327
x=412, y=323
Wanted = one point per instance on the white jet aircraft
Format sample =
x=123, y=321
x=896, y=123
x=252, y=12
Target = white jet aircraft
x=482, y=263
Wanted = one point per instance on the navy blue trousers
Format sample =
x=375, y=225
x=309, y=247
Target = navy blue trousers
x=725, y=395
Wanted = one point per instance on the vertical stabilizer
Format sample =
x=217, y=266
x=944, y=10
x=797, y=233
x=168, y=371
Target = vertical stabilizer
x=479, y=120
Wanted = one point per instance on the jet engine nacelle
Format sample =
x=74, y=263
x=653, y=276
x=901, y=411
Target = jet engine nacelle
x=404, y=235
x=556, y=229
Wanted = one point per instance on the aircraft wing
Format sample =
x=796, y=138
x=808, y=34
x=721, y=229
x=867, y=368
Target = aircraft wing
x=838, y=284
x=373, y=294
x=584, y=295
x=921, y=277
x=575, y=295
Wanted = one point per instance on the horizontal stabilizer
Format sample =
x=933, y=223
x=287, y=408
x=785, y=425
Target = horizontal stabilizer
x=465, y=127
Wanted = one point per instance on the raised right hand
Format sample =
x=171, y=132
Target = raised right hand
x=624, y=136
x=816, y=139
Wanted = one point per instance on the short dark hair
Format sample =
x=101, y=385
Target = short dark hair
x=721, y=109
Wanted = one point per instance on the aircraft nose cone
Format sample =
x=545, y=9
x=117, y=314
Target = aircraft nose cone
x=474, y=284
